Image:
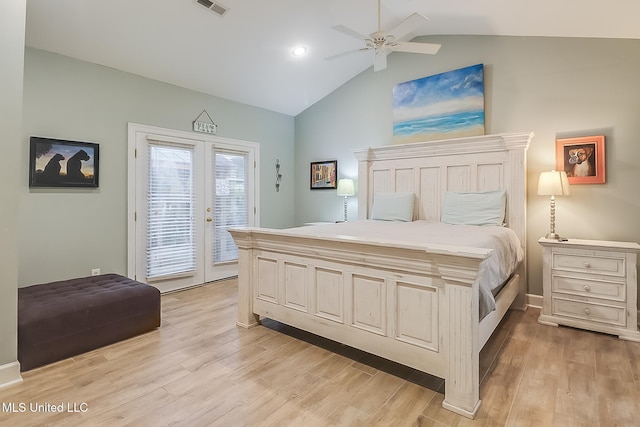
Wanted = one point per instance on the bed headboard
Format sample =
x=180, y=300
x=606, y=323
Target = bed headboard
x=429, y=169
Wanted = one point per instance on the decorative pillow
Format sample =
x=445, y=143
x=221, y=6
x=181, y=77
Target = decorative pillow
x=485, y=208
x=393, y=206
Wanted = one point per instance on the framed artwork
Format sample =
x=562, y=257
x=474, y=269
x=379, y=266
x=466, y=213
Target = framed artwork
x=323, y=175
x=442, y=106
x=62, y=163
x=582, y=159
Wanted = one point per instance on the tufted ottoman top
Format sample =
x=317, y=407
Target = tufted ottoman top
x=48, y=310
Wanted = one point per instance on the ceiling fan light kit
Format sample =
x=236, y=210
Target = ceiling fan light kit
x=299, y=51
x=382, y=43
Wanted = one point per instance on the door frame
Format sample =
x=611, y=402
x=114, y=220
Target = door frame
x=133, y=130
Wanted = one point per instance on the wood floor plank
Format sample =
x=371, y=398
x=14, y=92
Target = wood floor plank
x=579, y=347
x=375, y=392
x=313, y=407
x=611, y=357
x=255, y=410
x=577, y=397
x=633, y=355
x=435, y=414
x=501, y=386
x=534, y=401
x=331, y=366
x=618, y=402
x=404, y=407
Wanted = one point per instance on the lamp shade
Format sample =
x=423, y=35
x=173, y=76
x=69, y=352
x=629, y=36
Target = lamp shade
x=345, y=187
x=553, y=183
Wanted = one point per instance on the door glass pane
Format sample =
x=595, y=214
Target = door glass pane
x=230, y=200
x=170, y=213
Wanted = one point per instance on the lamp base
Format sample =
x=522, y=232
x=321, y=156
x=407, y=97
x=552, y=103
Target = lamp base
x=553, y=236
x=345, y=208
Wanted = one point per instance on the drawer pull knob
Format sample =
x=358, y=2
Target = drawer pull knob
x=587, y=265
x=587, y=311
x=587, y=288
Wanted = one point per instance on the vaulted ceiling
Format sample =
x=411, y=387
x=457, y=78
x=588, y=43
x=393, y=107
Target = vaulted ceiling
x=245, y=54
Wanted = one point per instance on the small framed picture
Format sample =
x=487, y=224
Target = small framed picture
x=323, y=175
x=62, y=163
x=582, y=159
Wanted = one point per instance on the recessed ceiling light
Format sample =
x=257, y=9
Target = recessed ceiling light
x=299, y=51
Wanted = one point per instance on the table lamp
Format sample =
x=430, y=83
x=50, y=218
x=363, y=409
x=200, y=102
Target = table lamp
x=553, y=183
x=346, y=189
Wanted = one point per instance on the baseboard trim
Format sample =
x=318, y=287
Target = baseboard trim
x=534, y=300
x=10, y=374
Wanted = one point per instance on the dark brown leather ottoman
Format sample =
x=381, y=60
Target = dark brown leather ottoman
x=58, y=320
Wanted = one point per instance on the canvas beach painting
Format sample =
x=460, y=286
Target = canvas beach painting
x=446, y=105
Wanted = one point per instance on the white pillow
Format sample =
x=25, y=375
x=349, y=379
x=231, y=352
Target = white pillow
x=486, y=208
x=393, y=206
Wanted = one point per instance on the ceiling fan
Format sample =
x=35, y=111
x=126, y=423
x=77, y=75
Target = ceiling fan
x=382, y=43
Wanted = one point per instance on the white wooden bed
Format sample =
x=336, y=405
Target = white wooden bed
x=413, y=304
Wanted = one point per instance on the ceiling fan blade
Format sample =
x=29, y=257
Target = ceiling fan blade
x=407, y=26
x=379, y=60
x=343, y=54
x=412, y=47
x=348, y=31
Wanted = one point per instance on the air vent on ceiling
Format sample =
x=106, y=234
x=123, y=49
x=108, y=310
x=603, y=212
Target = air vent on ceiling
x=215, y=7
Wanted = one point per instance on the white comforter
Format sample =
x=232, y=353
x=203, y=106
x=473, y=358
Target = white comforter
x=501, y=263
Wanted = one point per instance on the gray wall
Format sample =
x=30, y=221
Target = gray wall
x=12, y=24
x=66, y=232
x=555, y=87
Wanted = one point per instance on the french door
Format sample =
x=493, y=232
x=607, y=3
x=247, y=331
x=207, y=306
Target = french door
x=187, y=190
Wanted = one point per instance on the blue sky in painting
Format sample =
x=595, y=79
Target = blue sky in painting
x=451, y=92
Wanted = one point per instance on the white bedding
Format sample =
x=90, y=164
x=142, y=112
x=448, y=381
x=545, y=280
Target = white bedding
x=494, y=271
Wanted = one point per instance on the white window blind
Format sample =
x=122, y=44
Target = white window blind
x=231, y=194
x=170, y=214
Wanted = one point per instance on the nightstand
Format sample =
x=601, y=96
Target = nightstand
x=591, y=284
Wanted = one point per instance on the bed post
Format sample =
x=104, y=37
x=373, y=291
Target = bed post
x=246, y=317
x=364, y=161
x=462, y=382
x=517, y=144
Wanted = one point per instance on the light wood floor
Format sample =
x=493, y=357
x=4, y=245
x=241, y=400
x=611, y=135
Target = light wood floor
x=199, y=369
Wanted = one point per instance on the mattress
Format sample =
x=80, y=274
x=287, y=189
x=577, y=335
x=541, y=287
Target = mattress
x=495, y=270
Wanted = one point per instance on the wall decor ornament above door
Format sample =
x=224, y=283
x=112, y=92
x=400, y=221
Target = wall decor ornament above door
x=205, y=124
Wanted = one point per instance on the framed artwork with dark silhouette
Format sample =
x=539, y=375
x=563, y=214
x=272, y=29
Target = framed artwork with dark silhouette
x=62, y=163
x=582, y=159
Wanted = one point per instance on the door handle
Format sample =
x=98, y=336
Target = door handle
x=209, y=219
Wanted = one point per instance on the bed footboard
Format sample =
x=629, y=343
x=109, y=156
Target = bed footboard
x=415, y=305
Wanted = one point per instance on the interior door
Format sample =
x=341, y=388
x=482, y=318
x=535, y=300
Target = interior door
x=187, y=192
